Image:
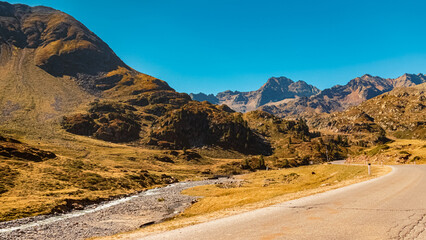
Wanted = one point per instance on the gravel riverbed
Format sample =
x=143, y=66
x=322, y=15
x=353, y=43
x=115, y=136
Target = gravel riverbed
x=107, y=218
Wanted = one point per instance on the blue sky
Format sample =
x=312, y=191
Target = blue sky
x=215, y=45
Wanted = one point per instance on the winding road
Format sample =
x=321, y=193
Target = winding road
x=389, y=207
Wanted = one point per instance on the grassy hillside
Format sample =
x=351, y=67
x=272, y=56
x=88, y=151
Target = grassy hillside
x=400, y=151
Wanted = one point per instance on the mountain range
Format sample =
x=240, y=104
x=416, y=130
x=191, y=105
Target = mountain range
x=283, y=97
x=400, y=112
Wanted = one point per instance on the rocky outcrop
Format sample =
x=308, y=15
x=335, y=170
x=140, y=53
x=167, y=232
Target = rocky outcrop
x=109, y=121
x=203, y=124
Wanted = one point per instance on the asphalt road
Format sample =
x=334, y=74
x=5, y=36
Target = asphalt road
x=389, y=207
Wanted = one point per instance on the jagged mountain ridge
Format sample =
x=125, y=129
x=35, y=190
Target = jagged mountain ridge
x=401, y=112
x=274, y=90
x=339, y=98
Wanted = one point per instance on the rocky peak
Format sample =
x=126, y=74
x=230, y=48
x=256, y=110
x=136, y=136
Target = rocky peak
x=277, y=89
x=274, y=90
x=277, y=83
x=201, y=97
x=368, y=82
x=303, y=89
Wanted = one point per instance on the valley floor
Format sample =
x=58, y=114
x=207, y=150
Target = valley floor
x=160, y=204
x=258, y=190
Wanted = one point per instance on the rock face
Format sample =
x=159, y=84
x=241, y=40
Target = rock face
x=339, y=98
x=401, y=112
x=274, y=90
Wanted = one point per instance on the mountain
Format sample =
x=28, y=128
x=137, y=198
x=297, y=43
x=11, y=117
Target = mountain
x=274, y=90
x=57, y=73
x=339, y=98
x=51, y=64
x=61, y=46
x=400, y=112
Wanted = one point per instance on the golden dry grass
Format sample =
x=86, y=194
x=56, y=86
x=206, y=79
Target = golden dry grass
x=265, y=185
x=40, y=186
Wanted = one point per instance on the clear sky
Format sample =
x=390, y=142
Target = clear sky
x=215, y=45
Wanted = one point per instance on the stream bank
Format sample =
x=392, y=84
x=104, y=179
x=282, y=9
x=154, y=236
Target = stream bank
x=107, y=218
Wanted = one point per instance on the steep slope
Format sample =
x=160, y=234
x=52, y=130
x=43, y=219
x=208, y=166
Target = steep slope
x=274, y=90
x=401, y=112
x=339, y=98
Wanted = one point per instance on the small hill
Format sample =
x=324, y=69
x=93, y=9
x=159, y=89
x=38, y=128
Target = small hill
x=274, y=90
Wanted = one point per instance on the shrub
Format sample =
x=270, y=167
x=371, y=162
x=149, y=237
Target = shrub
x=288, y=178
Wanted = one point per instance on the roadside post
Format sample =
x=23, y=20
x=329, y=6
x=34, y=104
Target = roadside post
x=369, y=168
